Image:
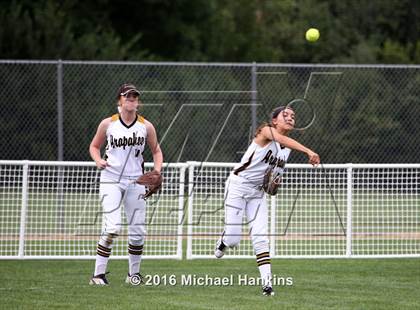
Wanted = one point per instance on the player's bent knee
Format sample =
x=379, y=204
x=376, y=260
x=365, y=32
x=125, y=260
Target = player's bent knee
x=231, y=241
x=108, y=238
x=261, y=245
x=136, y=241
x=112, y=230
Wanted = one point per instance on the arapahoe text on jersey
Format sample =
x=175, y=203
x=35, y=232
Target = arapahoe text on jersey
x=273, y=161
x=124, y=142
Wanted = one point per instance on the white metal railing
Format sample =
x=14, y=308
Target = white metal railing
x=333, y=211
x=52, y=210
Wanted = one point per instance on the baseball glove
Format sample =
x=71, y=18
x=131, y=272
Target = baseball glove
x=152, y=181
x=271, y=183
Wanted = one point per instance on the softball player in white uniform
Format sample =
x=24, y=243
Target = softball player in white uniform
x=244, y=192
x=126, y=134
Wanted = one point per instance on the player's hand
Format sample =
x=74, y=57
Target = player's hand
x=314, y=159
x=101, y=164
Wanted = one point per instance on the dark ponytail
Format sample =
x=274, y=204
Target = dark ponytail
x=273, y=114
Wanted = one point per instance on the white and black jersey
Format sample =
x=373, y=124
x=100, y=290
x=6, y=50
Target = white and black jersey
x=125, y=146
x=257, y=160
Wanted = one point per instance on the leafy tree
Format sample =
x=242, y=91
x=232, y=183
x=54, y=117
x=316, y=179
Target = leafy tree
x=47, y=30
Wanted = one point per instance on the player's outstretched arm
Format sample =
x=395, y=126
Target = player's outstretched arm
x=154, y=146
x=269, y=134
x=97, y=142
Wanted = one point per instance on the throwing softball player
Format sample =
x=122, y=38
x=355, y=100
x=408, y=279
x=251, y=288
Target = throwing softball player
x=126, y=134
x=259, y=171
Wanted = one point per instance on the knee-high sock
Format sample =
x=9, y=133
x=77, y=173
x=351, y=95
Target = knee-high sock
x=264, y=265
x=102, y=256
x=134, y=258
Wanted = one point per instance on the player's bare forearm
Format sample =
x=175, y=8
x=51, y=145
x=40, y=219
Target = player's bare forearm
x=97, y=141
x=293, y=144
x=270, y=134
x=154, y=147
x=157, y=158
x=95, y=154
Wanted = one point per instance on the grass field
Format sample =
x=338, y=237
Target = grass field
x=383, y=222
x=317, y=284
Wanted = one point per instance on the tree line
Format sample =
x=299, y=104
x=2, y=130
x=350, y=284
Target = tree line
x=354, y=31
x=363, y=115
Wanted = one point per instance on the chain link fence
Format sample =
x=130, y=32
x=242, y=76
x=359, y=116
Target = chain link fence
x=208, y=112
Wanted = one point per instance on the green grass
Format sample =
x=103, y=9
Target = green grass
x=317, y=284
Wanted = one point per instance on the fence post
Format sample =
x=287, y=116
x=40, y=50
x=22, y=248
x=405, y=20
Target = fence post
x=349, y=211
x=181, y=194
x=272, y=226
x=23, y=210
x=60, y=145
x=190, y=208
x=253, y=97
